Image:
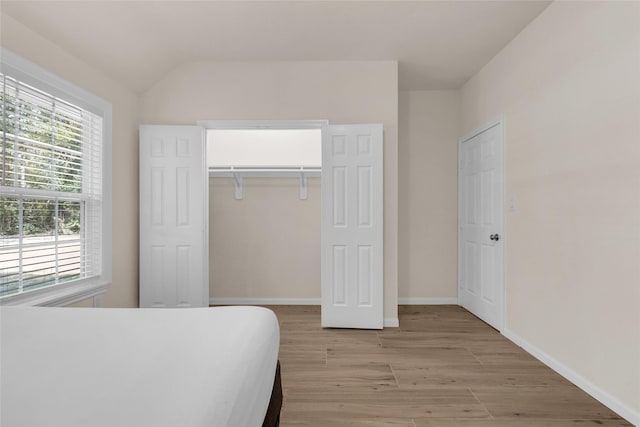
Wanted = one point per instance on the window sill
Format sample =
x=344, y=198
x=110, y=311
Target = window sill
x=58, y=296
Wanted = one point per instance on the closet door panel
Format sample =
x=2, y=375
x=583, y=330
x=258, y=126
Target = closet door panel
x=352, y=227
x=173, y=217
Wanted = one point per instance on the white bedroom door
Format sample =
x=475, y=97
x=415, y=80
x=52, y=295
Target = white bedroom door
x=173, y=217
x=481, y=223
x=352, y=227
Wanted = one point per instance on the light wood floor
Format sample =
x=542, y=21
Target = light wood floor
x=442, y=367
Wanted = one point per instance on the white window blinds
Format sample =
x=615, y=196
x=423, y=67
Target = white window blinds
x=50, y=189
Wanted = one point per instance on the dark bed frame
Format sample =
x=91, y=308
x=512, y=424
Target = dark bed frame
x=272, y=419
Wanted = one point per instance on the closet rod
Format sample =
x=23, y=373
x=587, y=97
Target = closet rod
x=262, y=169
x=238, y=173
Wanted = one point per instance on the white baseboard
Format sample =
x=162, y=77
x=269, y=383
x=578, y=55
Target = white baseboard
x=587, y=386
x=391, y=322
x=264, y=301
x=428, y=301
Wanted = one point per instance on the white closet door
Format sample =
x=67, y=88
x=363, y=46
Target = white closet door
x=173, y=217
x=352, y=226
x=480, y=245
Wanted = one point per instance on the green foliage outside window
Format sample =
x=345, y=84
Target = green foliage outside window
x=41, y=149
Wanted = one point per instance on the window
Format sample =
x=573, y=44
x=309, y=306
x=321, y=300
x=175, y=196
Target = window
x=55, y=138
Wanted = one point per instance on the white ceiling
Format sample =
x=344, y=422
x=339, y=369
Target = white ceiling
x=439, y=44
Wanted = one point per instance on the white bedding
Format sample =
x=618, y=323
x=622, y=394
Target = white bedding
x=136, y=367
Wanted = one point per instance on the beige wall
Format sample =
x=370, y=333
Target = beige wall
x=569, y=89
x=341, y=92
x=266, y=245
x=26, y=43
x=427, y=208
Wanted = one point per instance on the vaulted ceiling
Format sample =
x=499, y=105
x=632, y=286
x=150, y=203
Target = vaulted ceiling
x=438, y=44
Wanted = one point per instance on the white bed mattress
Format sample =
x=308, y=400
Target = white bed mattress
x=136, y=367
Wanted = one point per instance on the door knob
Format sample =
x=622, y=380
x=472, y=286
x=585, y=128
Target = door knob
x=494, y=237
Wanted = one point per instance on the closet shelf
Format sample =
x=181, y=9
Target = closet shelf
x=264, y=172
x=238, y=173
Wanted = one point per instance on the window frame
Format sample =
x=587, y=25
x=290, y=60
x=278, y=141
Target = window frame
x=76, y=290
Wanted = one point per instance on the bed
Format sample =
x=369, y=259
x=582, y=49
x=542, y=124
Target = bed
x=139, y=367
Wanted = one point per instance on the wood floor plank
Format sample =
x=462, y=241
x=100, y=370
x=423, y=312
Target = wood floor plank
x=503, y=355
x=305, y=354
x=430, y=422
x=414, y=357
x=554, y=402
x=357, y=403
x=469, y=376
x=375, y=376
x=423, y=339
x=328, y=336
x=354, y=422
